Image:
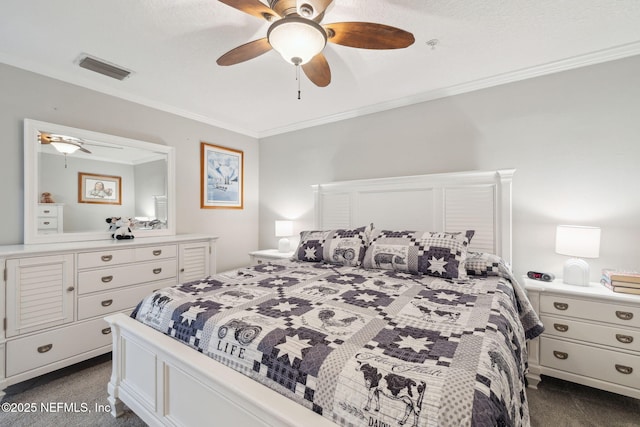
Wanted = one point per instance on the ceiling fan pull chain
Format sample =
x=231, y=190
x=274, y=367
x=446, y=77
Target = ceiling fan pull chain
x=298, y=79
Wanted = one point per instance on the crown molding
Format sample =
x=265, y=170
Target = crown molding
x=597, y=57
x=593, y=58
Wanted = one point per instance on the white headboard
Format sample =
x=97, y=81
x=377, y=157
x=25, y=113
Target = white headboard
x=459, y=201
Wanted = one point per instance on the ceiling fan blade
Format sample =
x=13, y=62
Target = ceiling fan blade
x=252, y=7
x=316, y=9
x=84, y=150
x=318, y=71
x=367, y=35
x=245, y=52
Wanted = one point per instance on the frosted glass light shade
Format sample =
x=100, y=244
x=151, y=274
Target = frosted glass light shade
x=578, y=242
x=65, y=147
x=297, y=39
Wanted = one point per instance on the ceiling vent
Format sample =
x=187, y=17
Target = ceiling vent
x=99, y=66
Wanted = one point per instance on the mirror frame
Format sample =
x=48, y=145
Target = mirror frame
x=32, y=167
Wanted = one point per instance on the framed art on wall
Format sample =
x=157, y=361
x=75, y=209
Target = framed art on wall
x=105, y=189
x=221, y=177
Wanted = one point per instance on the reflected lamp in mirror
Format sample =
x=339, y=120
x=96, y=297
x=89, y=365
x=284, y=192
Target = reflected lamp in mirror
x=577, y=242
x=284, y=229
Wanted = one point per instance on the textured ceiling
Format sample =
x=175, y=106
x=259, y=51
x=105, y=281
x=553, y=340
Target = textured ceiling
x=172, y=46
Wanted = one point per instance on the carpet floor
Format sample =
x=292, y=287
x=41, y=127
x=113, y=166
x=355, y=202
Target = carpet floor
x=556, y=403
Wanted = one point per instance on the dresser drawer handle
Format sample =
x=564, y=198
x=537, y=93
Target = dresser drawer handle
x=106, y=303
x=157, y=270
x=627, y=370
x=624, y=339
x=561, y=305
x=624, y=315
x=106, y=258
x=107, y=279
x=106, y=331
x=70, y=289
x=47, y=223
x=560, y=327
x=47, y=211
x=45, y=348
x=157, y=252
x=561, y=355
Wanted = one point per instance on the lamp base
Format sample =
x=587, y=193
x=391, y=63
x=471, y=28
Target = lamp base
x=576, y=272
x=283, y=245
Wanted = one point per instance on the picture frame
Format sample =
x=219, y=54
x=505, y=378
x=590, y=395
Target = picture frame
x=221, y=177
x=99, y=189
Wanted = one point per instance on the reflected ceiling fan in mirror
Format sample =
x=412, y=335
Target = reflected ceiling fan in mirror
x=297, y=35
x=68, y=144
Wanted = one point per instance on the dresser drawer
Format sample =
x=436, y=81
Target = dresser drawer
x=41, y=349
x=105, y=258
x=155, y=252
x=111, y=278
x=47, y=223
x=607, y=365
x=610, y=312
x=110, y=302
x=609, y=335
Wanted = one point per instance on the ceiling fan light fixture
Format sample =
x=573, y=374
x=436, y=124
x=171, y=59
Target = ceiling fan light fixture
x=297, y=39
x=65, y=147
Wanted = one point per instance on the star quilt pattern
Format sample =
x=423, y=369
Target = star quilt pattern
x=362, y=347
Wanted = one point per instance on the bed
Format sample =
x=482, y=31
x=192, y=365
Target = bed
x=369, y=325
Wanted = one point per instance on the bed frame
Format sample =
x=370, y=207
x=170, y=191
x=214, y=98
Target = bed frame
x=167, y=383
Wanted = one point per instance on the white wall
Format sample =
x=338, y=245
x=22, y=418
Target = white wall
x=574, y=138
x=28, y=95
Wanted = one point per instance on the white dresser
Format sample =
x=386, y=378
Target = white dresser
x=592, y=336
x=54, y=296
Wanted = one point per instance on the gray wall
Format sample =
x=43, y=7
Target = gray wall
x=29, y=95
x=574, y=138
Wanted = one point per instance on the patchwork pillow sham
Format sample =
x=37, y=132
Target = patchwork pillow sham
x=483, y=264
x=341, y=246
x=439, y=254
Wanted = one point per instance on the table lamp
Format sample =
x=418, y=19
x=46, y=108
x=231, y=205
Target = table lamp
x=577, y=242
x=284, y=229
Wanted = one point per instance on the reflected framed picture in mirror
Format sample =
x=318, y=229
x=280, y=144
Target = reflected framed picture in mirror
x=105, y=189
x=221, y=177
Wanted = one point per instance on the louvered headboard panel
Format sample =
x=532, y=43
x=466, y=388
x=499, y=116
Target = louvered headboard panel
x=479, y=201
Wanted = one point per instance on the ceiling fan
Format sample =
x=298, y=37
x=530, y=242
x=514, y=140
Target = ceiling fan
x=296, y=33
x=62, y=143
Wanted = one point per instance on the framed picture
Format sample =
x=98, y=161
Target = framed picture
x=104, y=189
x=221, y=177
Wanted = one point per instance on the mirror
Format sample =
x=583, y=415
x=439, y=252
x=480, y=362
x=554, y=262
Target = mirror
x=75, y=179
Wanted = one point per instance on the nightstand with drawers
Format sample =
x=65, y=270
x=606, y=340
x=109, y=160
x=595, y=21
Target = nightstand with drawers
x=268, y=255
x=591, y=337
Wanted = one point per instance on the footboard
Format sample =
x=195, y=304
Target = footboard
x=167, y=383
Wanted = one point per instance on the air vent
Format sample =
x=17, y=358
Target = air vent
x=102, y=67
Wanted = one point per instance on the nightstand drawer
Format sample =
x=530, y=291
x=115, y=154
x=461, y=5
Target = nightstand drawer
x=607, y=365
x=591, y=310
x=614, y=336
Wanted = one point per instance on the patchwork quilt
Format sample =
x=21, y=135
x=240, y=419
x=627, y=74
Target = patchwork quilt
x=363, y=347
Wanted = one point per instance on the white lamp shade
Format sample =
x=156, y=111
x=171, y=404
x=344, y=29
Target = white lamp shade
x=578, y=241
x=284, y=228
x=297, y=39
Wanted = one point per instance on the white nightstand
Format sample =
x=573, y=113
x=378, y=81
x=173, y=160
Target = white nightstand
x=591, y=337
x=259, y=257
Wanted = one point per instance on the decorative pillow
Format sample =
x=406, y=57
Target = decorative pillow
x=440, y=254
x=343, y=247
x=483, y=264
